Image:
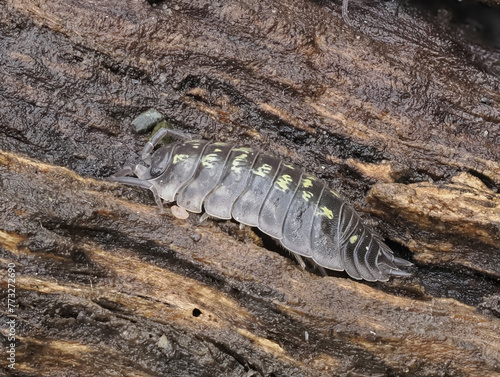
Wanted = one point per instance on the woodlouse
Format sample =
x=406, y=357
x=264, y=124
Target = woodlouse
x=296, y=209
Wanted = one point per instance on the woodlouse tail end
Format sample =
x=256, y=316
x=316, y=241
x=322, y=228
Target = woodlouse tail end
x=399, y=273
x=400, y=262
x=392, y=270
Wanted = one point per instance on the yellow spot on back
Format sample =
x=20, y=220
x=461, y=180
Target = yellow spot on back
x=289, y=166
x=238, y=162
x=283, y=182
x=353, y=239
x=325, y=211
x=209, y=160
x=180, y=157
x=307, y=182
x=306, y=195
x=194, y=143
x=263, y=170
x=243, y=149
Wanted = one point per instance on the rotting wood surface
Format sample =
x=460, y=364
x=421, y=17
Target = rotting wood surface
x=391, y=107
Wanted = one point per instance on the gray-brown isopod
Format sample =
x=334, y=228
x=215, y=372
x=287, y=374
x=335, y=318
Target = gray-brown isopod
x=298, y=210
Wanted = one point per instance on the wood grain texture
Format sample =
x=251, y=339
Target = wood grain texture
x=393, y=108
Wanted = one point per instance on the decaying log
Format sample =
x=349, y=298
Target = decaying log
x=400, y=115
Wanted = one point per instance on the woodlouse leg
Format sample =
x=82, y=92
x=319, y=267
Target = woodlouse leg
x=204, y=217
x=299, y=260
x=345, y=3
x=322, y=270
x=132, y=181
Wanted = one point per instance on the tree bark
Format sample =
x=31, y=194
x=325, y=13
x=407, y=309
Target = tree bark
x=400, y=115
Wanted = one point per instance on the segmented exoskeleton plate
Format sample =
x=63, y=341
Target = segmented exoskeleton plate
x=300, y=211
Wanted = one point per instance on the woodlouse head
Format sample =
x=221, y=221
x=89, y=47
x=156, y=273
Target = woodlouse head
x=160, y=160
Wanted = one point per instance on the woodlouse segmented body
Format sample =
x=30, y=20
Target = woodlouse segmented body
x=299, y=210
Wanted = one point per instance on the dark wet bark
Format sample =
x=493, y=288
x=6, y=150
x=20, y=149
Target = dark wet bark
x=393, y=108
